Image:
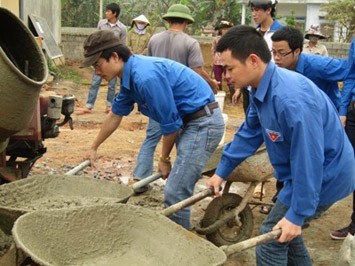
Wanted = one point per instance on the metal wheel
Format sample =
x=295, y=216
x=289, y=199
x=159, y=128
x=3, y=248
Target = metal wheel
x=231, y=232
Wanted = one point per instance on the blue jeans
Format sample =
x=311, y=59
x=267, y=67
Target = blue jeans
x=195, y=144
x=145, y=158
x=94, y=89
x=283, y=254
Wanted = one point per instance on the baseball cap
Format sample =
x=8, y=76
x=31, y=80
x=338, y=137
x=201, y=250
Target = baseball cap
x=96, y=43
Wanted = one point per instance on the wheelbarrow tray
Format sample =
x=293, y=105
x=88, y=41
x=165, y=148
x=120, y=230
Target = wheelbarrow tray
x=55, y=192
x=120, y=234
x=255, y=168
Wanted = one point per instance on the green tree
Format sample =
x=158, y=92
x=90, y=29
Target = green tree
x=342, y=13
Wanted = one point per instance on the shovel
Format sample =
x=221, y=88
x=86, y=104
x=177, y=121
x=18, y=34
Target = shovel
x=251, y=242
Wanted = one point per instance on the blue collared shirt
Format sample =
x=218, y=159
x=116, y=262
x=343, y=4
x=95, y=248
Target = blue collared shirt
x=348, y=93
x=164, y=90
x=325, y=72
x=305, y=140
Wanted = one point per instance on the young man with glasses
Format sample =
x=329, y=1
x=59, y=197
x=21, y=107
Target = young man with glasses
x=304, y=138
x=325, y=72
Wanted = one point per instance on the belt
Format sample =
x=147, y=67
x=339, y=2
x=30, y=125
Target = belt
x=200, y=113
x=352, y=106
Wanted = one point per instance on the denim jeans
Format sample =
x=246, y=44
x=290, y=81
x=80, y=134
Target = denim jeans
x=283, y=254
x=196, y=142
x=94, y=89
x=350, y=131
x=145, y=158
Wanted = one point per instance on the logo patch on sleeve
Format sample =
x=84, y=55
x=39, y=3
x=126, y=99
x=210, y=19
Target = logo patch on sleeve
x=273, y=135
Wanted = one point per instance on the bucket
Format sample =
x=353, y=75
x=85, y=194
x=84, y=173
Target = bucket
x=225, y=118
x=23, y=71
x=220, y=96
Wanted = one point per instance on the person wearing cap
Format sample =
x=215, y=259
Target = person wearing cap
x=173, y=95
x=111, y=22
x=176, y=45
x=312, y=46
x=138, y=36
x=217, y=66
x=304, y=138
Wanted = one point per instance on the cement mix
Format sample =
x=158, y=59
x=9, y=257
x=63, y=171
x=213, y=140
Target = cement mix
x=56, y=192
x=5, y=242
x=110, y=235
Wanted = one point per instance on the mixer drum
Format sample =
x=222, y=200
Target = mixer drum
x=23, y=71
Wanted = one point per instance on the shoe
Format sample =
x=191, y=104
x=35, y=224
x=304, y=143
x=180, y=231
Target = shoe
x=83, y=111
x=342, y=233
x=107, y=110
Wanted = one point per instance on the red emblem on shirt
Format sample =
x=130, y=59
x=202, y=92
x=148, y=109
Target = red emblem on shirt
x=273, y=135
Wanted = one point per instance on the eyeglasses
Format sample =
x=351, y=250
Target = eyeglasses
x=97, y=65
x=280, y=54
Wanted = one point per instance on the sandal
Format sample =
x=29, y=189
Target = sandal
x=265, y=209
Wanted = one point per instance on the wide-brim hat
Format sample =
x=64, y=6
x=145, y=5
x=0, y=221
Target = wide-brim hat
x=179, y=11
x=140, y=18
x=223, y=24
x=95, y=44
x=314, y=30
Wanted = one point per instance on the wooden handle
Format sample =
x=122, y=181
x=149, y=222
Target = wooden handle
x=252, y=242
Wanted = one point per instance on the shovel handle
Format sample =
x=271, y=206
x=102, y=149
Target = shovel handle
x=187, y=202
x=146, y=181
x=78, y=168
x=251, y=242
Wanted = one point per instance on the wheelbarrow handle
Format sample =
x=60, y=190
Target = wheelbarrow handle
x=187, y=202
x=146, y=181
x=251, y=242
x=78, y=168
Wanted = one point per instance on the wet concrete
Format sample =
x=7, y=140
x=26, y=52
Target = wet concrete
x=56, y=192
x=111, y=235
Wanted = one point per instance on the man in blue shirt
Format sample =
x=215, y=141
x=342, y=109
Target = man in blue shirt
x=304, y=137
x=347, y=116
x=325, y=72
x=173, y=95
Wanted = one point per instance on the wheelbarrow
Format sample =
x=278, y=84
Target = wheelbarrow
x=229, y=219
x=55, y=192
x=60, y=191
x=120, y=234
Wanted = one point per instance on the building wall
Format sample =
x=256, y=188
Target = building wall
x=73, y=39
x=49, y=10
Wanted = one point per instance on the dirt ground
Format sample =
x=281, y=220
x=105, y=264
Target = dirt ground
x=117, y=157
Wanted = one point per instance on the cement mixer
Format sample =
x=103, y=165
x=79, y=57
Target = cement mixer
x=26, y=119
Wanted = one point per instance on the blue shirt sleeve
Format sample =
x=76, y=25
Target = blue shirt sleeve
x=245, y=143
x=304, y=132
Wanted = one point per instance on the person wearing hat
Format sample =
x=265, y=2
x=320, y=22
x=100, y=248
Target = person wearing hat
x=217, y=66
x=111, y=22
x=138, y=36
x=170, y=93
x=176, y=45
x=312, y=46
